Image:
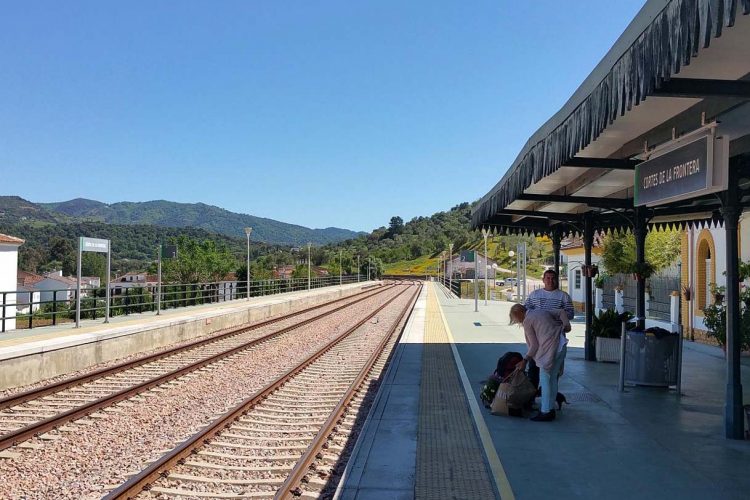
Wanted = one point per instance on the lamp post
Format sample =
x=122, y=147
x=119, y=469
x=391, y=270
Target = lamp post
x=450, y=260
x=511, y=254
x=341, y=268
x=485, y=233
x=358, y=268
x=368, y=267
x=248, y=231
x=309, y=265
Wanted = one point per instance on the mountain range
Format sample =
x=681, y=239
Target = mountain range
x=14, y=209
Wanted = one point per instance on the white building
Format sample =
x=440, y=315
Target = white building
x=460, y=269
x=573, y=251
x=8, y=267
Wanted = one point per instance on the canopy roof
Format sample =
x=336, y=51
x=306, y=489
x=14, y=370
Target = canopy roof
x=679, y=64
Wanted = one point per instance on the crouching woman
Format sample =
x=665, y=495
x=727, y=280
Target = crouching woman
x=547, y=345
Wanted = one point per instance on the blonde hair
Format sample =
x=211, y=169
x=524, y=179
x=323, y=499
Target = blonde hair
x=514, y=311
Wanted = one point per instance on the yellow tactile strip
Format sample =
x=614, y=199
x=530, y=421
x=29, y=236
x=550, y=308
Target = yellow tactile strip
x=450, y=458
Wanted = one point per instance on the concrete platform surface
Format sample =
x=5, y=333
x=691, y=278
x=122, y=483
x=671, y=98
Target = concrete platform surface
x=643, y=443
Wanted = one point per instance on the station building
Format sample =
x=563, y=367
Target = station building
x=658, y=135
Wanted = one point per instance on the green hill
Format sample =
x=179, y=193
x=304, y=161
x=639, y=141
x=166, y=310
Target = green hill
x=168, y=214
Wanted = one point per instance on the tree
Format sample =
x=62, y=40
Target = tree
x=396, y=226
x=618, y=253
x=198, y=261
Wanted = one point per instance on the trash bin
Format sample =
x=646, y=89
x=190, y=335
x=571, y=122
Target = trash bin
x=651, y=357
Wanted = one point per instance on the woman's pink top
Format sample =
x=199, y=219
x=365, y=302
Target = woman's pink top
x=543, y=330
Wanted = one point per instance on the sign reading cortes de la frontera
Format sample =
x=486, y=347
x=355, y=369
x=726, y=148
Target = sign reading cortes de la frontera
x=689, y=168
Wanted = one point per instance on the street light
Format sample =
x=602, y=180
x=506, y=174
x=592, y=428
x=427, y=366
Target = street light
x=511, y=254
x=248, y=230
x=450, y=259
x=485, y=233
x=309, y=265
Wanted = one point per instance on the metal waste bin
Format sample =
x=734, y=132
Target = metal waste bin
x=651, y=360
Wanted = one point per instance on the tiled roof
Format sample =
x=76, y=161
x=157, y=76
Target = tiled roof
x=24, y=278
x=577, y=242
x=5, y=238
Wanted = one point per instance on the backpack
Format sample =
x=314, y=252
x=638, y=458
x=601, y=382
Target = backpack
x=505, y=366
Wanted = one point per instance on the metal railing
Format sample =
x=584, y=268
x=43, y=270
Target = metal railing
x=661, y=285
x=36, y=308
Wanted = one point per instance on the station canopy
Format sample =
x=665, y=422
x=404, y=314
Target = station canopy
x=681, y=67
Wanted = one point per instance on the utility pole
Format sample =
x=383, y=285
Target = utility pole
x=450, y=260
x=248, y=230
x=358, y=268
x=309, y=265
x=485, y=233
x=341, y=268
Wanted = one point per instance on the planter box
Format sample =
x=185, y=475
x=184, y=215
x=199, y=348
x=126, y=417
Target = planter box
x=607, y=350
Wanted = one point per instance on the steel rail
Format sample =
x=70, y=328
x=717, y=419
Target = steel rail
x=289, y=489
x=160, y=467
x=24, y=433
x=22, y=397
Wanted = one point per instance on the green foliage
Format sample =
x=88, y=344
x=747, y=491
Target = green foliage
x=642, y=269
x=715, y=317
x=608, y=324
x=198, y=262
x=600, y=279
x=618, y=253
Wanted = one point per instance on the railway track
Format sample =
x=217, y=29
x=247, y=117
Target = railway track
x=283, y=441
x=32, y=413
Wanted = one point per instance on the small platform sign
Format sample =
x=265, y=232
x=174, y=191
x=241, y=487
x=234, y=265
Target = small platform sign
x=94, y=245
x=467, y=256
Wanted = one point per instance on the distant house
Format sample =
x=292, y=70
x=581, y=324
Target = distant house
x=133, y=280
x=27, y=291
x=283, y=272
x=461, y=269
x=8, y=268
x=54, y=286
x=572, y=249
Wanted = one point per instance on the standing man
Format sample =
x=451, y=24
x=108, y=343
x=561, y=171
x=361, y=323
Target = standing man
x=548, y=298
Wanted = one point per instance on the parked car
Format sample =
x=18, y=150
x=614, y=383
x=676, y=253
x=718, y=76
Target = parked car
x=500, y=282
x=511, y=281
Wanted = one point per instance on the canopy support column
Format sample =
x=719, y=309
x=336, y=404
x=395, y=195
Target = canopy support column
x=556, y=238
x=640, y=230
x=730, y=211
x=588, y=243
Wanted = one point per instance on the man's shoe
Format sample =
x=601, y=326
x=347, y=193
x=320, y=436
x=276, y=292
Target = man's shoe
x=544, y=417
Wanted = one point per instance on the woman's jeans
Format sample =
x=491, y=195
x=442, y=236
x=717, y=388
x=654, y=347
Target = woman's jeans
x=548, y=381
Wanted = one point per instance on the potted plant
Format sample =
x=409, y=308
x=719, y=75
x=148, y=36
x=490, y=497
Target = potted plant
x=590, y=271
x=641, y=270
x=607, y=328
x=599, y=280
x=718, y=293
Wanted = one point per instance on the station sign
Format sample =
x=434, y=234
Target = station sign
x=466, y=256
x=687, y=168
x=94, y=245
x=169, y=251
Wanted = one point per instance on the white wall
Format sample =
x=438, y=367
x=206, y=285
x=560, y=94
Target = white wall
x=8, y=280
x=574, y=264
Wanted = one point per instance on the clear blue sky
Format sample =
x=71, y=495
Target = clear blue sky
x=326, y=113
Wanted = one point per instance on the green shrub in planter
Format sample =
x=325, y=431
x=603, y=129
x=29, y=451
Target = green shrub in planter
x=608, y=323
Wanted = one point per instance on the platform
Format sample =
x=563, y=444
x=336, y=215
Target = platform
x=645, y=442
x=27, y=356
